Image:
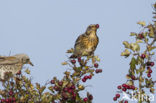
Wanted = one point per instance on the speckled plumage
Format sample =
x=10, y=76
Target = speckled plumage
x=12, y=64
x=86, y=43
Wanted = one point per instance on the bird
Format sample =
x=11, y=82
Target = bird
x=13, y=64
x=86, y=43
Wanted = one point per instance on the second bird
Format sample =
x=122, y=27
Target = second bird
x=86, y=43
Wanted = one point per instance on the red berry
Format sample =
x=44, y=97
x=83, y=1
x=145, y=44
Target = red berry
x=140, y=36
x=152, y=63
x=97, y=26
x=2, y=100
x=6, y=100
x=86, y=77
x=117, y=95
x=143, y=56
x=124, y=89
x=126, y=101
x=124, y=85
x=148, y=75
x=90, y=76
x=100, y=70
x=119, y=87
x=150, y=71
x=85, y=99
x=11, y=93
x=73, y=61
x=96, y=65
x=73, y=87
x=60, y=83
x=79, y=59
x=133, y=77
x=132, y=87
x=115, y=98
x=84, y=80
x=65, y=89
x=90, y=97
x=52, y=81
x=70, y=90
x=56, y=88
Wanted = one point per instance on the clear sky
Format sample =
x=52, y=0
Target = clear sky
x=45, y=29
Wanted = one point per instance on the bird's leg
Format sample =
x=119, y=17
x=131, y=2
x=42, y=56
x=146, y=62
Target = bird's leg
x=93, y=59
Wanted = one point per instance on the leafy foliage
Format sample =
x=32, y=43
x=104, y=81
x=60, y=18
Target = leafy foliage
x=139, y=77
x=20, y=89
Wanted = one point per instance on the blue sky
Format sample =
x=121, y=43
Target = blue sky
x=45, y=29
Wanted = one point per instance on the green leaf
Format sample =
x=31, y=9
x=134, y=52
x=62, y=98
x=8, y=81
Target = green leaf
x=135, y=46
x=133, y=63
x=27, y=71
x=126, y=53
x=142, y=23
x=126, y=44
x=133, y=34
x=139, y=41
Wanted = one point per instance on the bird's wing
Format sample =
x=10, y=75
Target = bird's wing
x=79, y=40
x=8, y=60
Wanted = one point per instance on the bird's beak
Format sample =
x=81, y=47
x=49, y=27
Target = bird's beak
x=31, y=63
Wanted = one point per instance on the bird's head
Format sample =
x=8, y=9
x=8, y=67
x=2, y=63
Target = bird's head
x=24, y=59
x=92, y=28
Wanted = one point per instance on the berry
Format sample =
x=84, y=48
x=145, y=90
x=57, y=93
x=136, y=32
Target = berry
x=149, y=75
x=97, y=26
x=124, y=85
x=140, y=36
x=124, y=89
x=152, y=64
x=115, y=98
x=150, y=71
x=90, y=97
x=73, y=61
x=143, y=56
x=56, y=88
x=133, y=77
x=70, y=90
x=132, y=87
x=98, y=70
x=72, y=87
x=86, y=77
x=126, y=101
x=96, y=65
x=52, y=81
x=85, y=99
x=90, y=77
x=117, y=95
x=79, y=59
x=60, y=83
x=10, y=93
x=119, y=87
x=2, y=100
x=84, y=80
x=65, y=89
